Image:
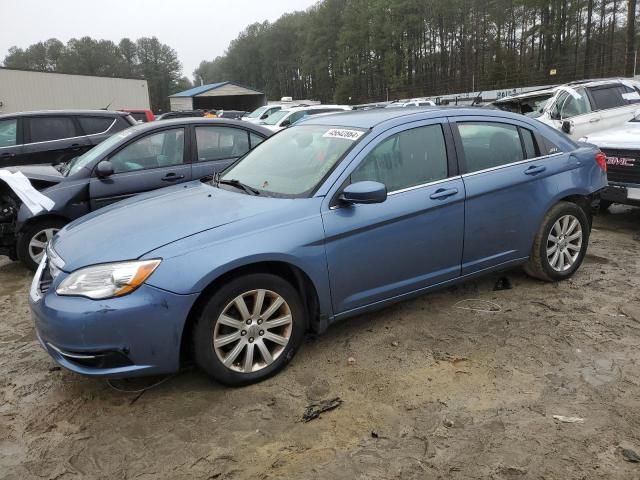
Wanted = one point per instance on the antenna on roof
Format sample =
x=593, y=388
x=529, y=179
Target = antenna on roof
x=109, y=104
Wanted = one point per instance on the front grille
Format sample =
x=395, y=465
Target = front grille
x=623, y=165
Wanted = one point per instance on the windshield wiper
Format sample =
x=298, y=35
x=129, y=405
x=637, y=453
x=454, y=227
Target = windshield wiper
x=238, y=184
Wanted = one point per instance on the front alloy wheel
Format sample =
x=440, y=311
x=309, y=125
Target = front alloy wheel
x=38, y=243
x=248, y=329
x=252, y=331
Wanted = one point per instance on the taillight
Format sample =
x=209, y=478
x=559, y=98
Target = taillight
x=601, y=160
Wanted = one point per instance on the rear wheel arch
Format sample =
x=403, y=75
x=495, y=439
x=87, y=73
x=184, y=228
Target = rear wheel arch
x=287, y=271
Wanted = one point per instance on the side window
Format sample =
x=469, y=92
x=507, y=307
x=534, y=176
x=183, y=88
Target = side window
x=44, y=129
x=607, y=96
x=8, y=133
x=530, y=145
x=255, y=140
x=297, y=116
x=406, y=159
x=489, y=144
x=630, y=95
x=94, y=125
x=576, y=104
x=121, y=124
x=216, y=143
x=163, y=149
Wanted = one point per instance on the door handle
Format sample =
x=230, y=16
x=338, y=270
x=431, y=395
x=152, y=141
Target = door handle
x=594, y=120
x=172, y=177
x=443, y=193
x=534, y=170
x=7, y=155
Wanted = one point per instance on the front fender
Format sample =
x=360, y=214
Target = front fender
x=71, y=202
x=191, y=264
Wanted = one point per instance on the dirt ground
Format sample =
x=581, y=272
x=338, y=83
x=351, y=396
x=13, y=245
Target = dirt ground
x=437, y=390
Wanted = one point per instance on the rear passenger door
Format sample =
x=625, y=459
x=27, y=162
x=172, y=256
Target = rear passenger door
x=10, y=142
x=509, y=182
x=616, y=104
x=217, y=147
x=152, y=161
x=53, y=139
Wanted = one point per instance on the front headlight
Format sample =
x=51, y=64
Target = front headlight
x=107, y=280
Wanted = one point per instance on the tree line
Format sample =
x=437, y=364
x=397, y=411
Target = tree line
x=146, y=58
x=369, y=50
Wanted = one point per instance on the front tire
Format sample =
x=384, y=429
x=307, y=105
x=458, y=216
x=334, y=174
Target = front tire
x=33, y=241
x=249, y=329
x=560, y=244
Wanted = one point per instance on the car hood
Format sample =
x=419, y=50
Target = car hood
x=129, y=229
x=625, y=136
x=41, y=173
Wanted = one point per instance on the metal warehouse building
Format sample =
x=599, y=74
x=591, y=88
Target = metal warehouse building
x=224, y=96
x=22, y=90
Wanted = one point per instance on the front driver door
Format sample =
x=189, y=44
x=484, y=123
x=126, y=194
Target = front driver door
x=412, y=240
x=153, y=161
x=217, y=147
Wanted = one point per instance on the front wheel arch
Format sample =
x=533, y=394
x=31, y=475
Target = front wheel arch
x=291, y=273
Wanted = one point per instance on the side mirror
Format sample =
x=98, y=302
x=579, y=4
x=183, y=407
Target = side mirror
x=566, y=127
x=285, y=123
x=104, y=169
x=554, y=115
x=364, y=192
x=264, y=116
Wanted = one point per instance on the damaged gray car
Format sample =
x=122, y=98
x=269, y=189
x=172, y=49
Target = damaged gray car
x=136, y=160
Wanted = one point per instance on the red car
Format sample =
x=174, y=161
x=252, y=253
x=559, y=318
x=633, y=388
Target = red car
x=139, y=115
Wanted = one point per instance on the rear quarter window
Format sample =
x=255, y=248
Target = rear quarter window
x=95, y=125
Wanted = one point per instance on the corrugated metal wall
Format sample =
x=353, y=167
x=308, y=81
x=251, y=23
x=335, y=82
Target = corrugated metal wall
x=181, y=103
x=23, y=91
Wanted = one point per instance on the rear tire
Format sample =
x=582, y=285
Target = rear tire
x=560, y=244
x=33, y=240
x=249, y=329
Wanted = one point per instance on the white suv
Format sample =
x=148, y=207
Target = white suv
x=581, y=108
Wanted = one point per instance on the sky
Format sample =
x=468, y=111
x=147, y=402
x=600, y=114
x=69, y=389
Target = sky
x=197, y=29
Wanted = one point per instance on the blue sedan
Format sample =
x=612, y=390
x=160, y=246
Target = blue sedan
x=331, y=218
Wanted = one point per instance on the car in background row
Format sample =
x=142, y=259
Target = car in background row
x=55, y=136
x=621, y=145
x=140, y=115
x=142, y=158
x=413, y=103
x=182, y=114
x=583, y=107
x=530, y=104
x=286, y=117
x=336, y=216
x=232, y=114
x=262, y=113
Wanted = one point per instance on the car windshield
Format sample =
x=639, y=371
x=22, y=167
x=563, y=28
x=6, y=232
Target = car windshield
x=295, y=161
x=257, y=113
x=276, y=117
x=78, y=163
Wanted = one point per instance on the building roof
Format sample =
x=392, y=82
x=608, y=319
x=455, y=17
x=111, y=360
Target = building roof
x=196, y=91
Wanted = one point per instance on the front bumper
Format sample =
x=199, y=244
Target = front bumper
x=138, y=334
x=628, y=194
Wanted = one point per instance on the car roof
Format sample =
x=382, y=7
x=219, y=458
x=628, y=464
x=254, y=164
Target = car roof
x=371, y=118
x=228, y=122
x=64, y=113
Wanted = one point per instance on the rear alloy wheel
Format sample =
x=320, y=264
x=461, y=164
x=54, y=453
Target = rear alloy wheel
x=249, y=329
x=560, y=244
x=33, y=241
